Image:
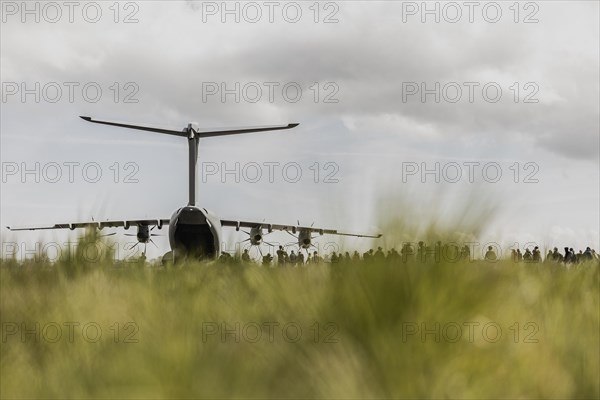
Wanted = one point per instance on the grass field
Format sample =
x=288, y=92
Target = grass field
x=450, y=330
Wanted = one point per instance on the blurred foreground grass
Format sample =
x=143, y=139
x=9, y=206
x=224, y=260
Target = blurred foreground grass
x=454, y=330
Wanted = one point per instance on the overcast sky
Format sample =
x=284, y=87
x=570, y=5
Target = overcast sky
x=380, y=89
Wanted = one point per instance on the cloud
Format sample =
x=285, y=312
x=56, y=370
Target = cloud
x=364, y=61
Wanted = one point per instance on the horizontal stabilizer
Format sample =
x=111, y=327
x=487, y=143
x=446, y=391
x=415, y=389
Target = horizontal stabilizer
x=186, y=131
x=235, y=131
x=141, y=128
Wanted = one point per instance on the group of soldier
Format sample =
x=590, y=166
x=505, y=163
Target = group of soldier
x=283, y=258
x=569, y=256
x=407, y=253
x=422, y=253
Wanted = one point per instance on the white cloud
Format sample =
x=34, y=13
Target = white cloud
x=368, y=55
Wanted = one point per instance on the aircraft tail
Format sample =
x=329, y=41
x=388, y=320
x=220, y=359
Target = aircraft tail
x=193, y=135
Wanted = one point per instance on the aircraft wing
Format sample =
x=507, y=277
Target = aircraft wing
x=292, y=228
x=96, y=224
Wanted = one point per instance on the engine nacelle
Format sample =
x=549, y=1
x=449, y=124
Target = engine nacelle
x=304, y=239
x=256, y=236
x=143, y=234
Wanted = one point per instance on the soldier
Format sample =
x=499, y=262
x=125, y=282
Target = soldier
x=334, y=258
x=490, y=255
x=245, y=256
x=465, y=252
x=281, y=256
x=527, y=256
x=437, y=251
x=556, y=256
x=379, y=255
x=347, y=258
x=513, y=255
x=355, y=256
x=395, y=256
x=300, y=257
x=293, y=259
x=569, y=257
x=407, y=252
x=587, y=254
x=421, y=251
x=316, y=259
x=267, y=259
x=536, y=256
x=548, y=256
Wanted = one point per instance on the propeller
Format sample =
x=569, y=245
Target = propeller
x=256, y=238
x=108, y=234
x=145, y=244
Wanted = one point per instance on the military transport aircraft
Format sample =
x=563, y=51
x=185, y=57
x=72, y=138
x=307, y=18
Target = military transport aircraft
x=194, y=231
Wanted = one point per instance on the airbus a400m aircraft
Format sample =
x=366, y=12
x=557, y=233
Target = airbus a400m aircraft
x=194, y=231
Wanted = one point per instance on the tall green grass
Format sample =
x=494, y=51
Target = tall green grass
x=364, y=313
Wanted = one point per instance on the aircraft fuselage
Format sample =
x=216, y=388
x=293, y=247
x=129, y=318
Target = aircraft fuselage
x=195, y=232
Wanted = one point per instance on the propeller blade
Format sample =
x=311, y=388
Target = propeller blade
x=152, y=241
x=130, y=234
x=135, y=244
